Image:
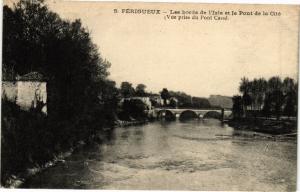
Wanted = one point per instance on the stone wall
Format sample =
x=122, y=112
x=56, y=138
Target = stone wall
x=9, y=90
x=26, y=94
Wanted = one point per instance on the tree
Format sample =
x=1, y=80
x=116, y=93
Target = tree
x=185, y=100
x=140, y=90
x=291, y=104
x=173, y=103
x=134, y=108
x=237, y=108
x=276, y=96
x=244, y=85
x=267, y=106
x=247, y=101
x=275, y=88
x=277, y=100
x=274, y=84
x=288, y=85
x=109, y=99
x=245, y=88
x=199, y=103
x=290, y=92
x=254, y=91
x=36, y=39
x=127, y=90
x=80, y=98
x=262, y=87
x=165, y=95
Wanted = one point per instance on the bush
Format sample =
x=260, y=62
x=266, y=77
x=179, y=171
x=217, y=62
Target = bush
x=25, y=139
x=133, y=108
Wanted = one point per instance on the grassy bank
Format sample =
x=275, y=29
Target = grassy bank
x=269, y=126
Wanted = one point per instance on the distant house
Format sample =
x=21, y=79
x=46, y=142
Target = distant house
x=27, y=91
x=157, y=99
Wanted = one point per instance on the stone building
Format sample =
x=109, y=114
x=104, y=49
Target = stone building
x=27, y=91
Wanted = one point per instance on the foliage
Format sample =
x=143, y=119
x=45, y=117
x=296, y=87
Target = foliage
x=140, y=90
x=237, y=108
x=173, y=103
x=188, y=101
x=165, y=95
x=127, y=90
x=25, y=140
x=36, y=39
x=272, y=97
x=290, y=89
x=198, y=102
x=80, y=98
x=134, y=108
x=266, y=111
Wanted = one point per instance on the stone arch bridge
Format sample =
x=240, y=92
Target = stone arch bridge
x=222, y=114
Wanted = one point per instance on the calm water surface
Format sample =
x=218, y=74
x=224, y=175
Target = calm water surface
x=194, y=155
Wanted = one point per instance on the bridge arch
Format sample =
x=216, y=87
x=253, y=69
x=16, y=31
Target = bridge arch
x=213, y=114
x=166, y=114
x=188, y=114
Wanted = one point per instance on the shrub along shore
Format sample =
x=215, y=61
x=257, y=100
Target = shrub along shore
x=28, y=147
x=287, y=127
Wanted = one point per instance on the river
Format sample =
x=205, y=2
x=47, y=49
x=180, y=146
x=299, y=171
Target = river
x=192, y=155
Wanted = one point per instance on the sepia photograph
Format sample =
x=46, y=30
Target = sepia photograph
x=149, y=96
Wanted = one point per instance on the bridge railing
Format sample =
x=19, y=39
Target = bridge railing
x=170, y=108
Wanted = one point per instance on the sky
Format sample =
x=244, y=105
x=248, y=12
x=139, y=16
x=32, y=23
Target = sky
x=194, y=56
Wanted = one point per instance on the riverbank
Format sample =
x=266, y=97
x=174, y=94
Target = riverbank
x=269, y=126
x=130, y=123
x=16, y=181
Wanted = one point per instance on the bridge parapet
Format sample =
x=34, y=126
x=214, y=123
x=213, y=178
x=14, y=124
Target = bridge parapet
x=225, y=113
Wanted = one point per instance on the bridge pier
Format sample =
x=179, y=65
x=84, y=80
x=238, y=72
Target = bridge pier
x=222, y=114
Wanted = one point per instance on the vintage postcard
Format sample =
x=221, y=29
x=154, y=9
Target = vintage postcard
x=149, y=96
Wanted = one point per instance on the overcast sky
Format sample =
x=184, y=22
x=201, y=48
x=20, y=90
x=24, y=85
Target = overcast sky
x=197, y=57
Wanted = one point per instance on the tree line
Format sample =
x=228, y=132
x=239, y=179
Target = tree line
x=81, y=100
x=171, y=99
x=267, y=98
x=183, y=100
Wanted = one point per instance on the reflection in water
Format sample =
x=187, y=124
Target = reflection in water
x=190, y=155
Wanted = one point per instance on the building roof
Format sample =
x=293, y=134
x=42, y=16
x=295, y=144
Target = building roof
x=32, y=76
